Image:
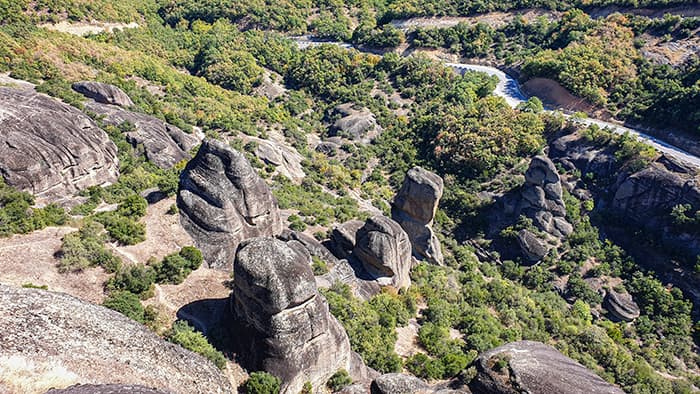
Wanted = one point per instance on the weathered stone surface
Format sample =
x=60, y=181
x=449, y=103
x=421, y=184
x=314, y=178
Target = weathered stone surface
x=541, y=199
x=414, y=208
x=384, y=249
x=536, y=368
x=103, y=93
x=621, y=305
x=398, y=383
x=99, y=345
x=164, y=144
x=106, y=389
x=534, y=249
x=270, y=86
x=51, y=149
x=314, y=247
x=287, y=160
x=343, y=238
x=223, y=201
x=355, y=124
x=294, y=335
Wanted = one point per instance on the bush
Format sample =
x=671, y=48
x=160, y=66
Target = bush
x=133, y=207
x=122, y=229
x=177, y=266
x=262, y=383
x=184, y=335
x=339, y=380
x=137, y=279
x=127, y=304
x=85, y=248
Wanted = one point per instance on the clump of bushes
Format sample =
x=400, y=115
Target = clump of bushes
x=122, y=224
x=18, y=217
x=185, y=335
x=339, y=380
x=85, y=248
x=127, y=304
x=262, y=383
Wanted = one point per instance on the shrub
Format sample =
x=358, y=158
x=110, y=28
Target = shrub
x=137, y=279
x=319, y=266
x=122, y=229
x=85, y=248
x=339, y=380
x=133, y=207
x=177, y=266
x=127, y=304
x=184, y=335
x=262, y=383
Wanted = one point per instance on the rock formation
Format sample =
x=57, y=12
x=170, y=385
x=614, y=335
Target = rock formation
x=164, y=144
x=292, y=333
x=355, y=124
x=286, y=160
x=620, y=305
x=51, y=149
x=105, y=389
x=414, y=208
x=536, y=368
x=384, y=250
x=98, y=345
x=103, y=93
x=223, y=201
x=542, y=201
x=343, y=238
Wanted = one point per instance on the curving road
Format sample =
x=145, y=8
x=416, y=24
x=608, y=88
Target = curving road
x=509, y=89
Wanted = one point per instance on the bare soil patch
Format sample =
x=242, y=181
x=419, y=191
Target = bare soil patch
x=85, y=28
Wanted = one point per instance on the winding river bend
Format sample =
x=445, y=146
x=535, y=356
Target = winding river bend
x=509, y=88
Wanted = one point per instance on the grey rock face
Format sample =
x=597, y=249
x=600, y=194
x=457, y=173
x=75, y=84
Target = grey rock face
x=397, y=383
x=343, y=238
x=355, y=124
x=164, y=144
x=384, y=249
x=98, y=344
x=285, y=159
x=414, y=208
x=105, y=389
x=621, y=305
x=223, y=201
x=542, y=201
x=533, y=248
x=51, y=149
x=296, y=337
x=103, y=93
x=536, y=368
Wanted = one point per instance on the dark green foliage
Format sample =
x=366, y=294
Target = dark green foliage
x=174, y=268
x=262, y=383
x=184, y=335
x=122, y=229
x=339, y=380
x=133, y=207
x=18, y=217
x=137, y=279
x=85, y=248
x=125, y=303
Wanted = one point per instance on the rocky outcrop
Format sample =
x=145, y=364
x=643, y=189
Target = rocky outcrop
x=542, y=201
x=398, y=383
x=536, y=368
x=103, y=93
x=355, y=124
x=51, y=149
x=343, y=238
x=414, y=208
x=286, y=160
x=106, y=389
x=98, y=345
x=384, y=250
x=291, y=331
x=223, y=201
x=164, y=144
x=621, y=305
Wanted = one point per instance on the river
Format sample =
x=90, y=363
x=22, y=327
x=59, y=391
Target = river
x=509, y=88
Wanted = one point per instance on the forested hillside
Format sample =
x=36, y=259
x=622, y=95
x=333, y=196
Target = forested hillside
x=547, y=230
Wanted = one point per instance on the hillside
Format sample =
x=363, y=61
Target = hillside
x=352, y=216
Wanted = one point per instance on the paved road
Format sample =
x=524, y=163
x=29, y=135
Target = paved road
x=509, y=89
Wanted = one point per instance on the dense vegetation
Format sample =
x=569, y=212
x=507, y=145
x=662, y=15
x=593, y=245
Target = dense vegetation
x=197, y=55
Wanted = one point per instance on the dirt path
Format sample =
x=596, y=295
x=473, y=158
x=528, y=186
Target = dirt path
x=84, y=28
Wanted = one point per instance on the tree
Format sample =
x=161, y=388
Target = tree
x=339, y=380
x=184, y=335
x=125, y=303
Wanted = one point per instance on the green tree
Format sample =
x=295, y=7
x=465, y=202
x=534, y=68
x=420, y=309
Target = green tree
x=262, y=383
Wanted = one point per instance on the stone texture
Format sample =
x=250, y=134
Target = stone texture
x=384, y=249
x=343, y=238
x=99, y=345
x=621, y=305
x=355, y=124
x=294, y=336
x=542, y=201
x=106, y=389
x=103, y=93
x=223, y=201
x=164, y=144
x=534, y=249
x=51, y=149
x=414, y=208
x=535, y=368
x=286, y=160
x=397, y=383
